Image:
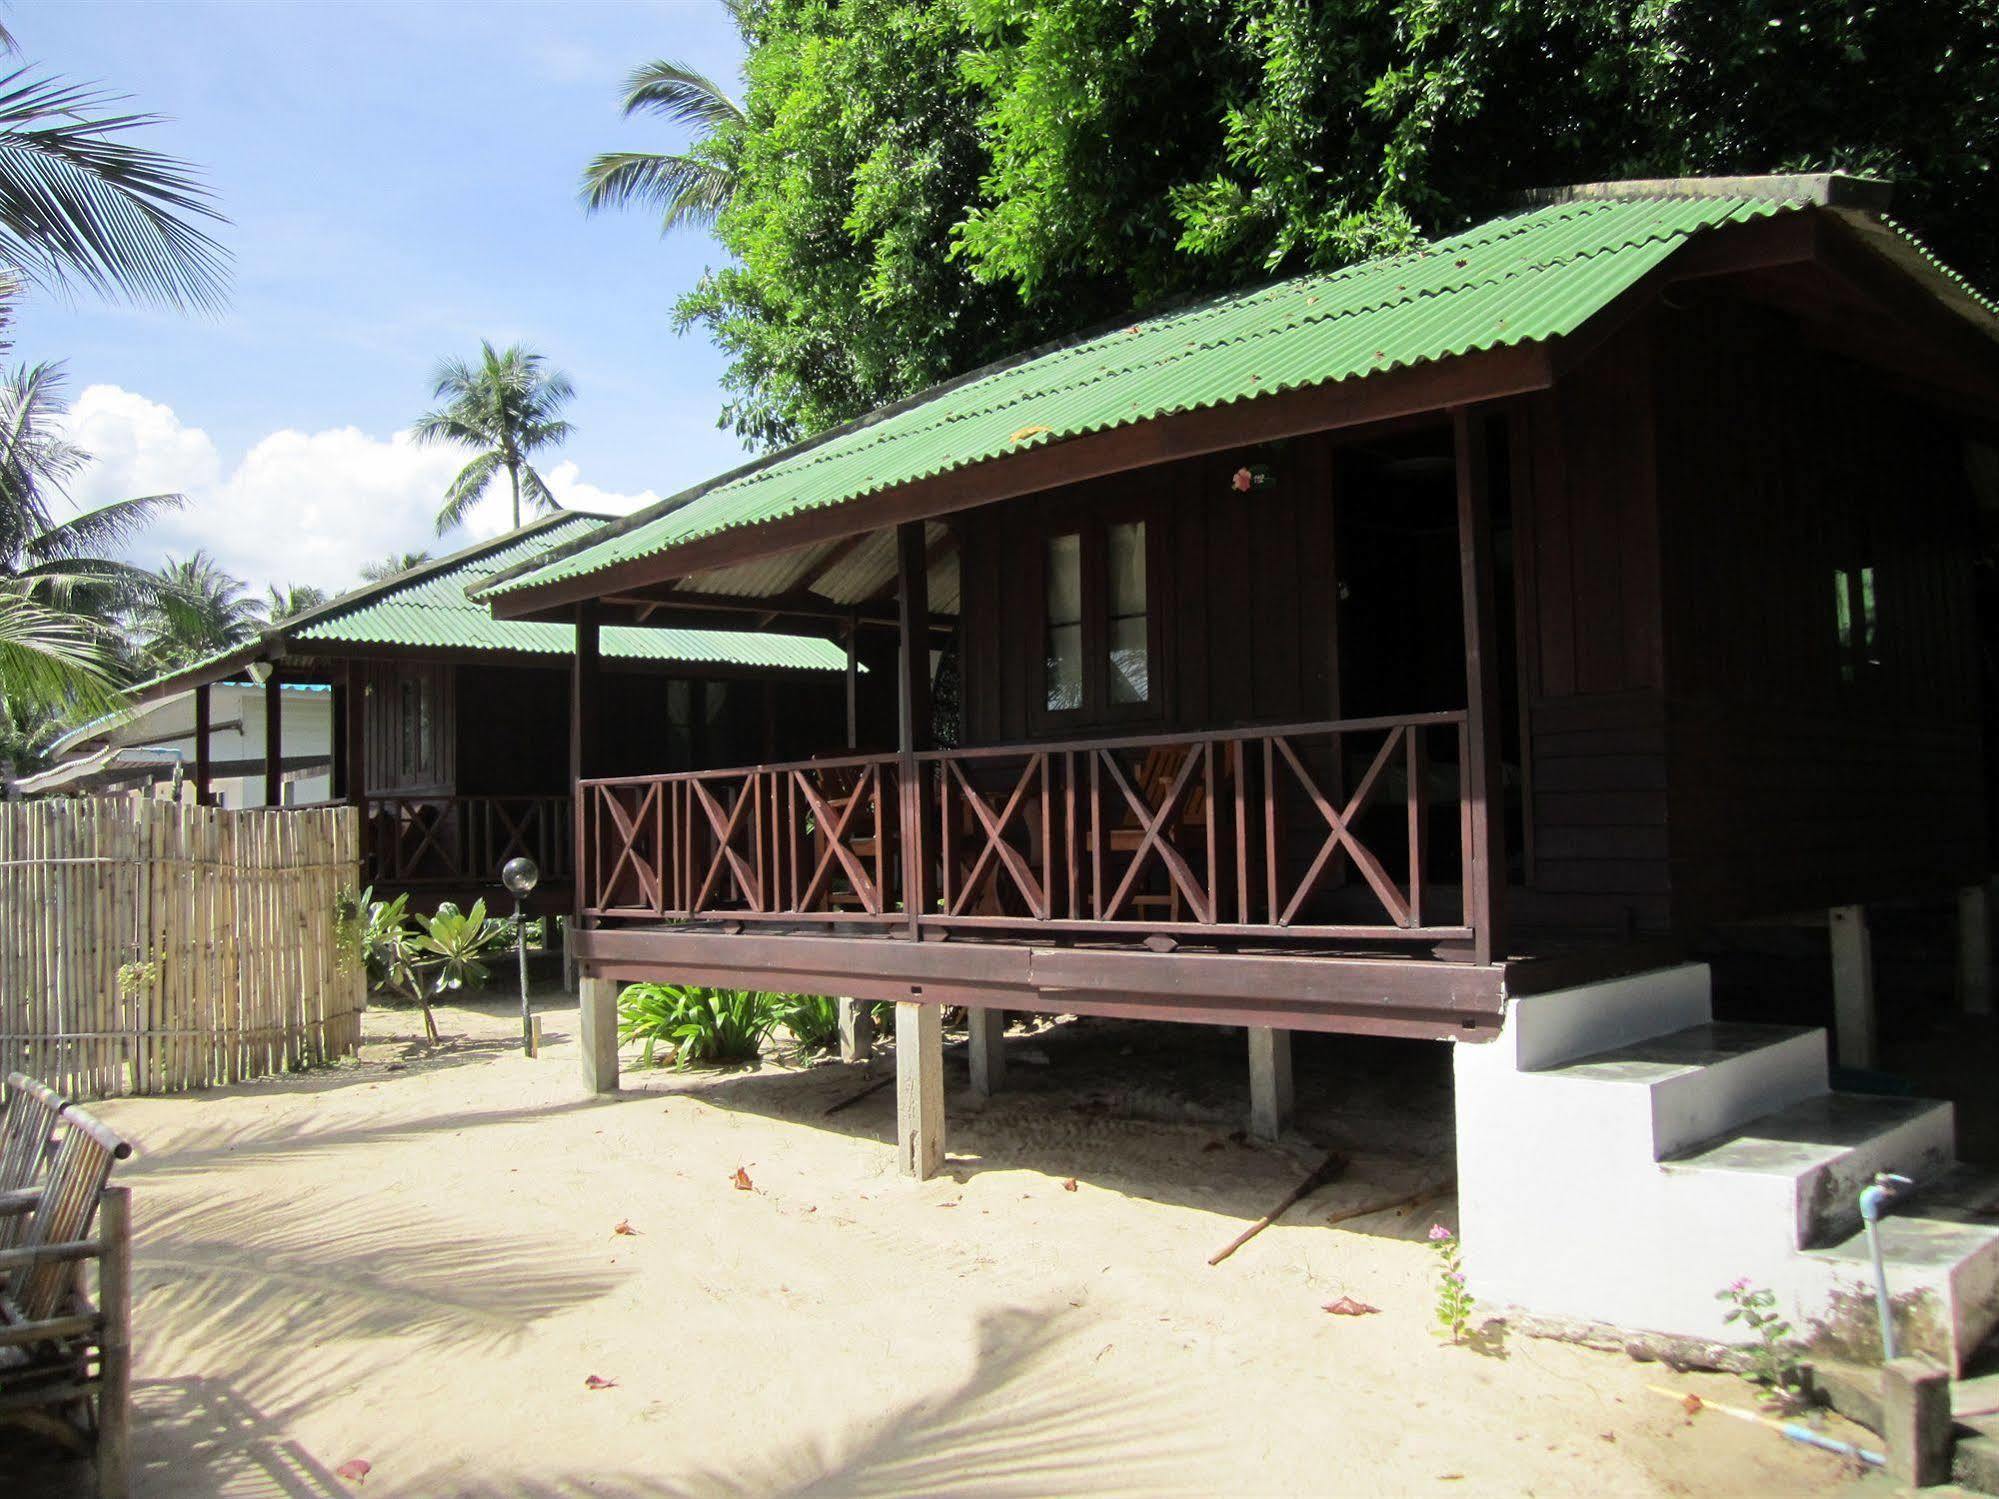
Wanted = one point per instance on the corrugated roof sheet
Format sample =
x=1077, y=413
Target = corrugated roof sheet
x=429, y=609
x=1516, y=280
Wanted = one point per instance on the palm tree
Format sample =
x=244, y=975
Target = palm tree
x=80, y=205
x=509, y=406
x=688, y=187
x=283, y=603
x=59, y=591
x=195, y=610
x=389, y=566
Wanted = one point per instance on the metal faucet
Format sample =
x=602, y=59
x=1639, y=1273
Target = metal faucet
x=1874, y=1200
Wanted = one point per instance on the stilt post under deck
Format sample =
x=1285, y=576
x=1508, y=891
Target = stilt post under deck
x=1853, y=986
x=857, y=1030
x=1485, y=880
x=1974, y=949
x=274, y=737
x=1269, y=1082
x=598, y=1028
x=919, y=1088
x=202, y=728
x=988, y=1050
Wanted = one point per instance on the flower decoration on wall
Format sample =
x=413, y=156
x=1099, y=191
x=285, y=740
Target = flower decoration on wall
x=1252, y=476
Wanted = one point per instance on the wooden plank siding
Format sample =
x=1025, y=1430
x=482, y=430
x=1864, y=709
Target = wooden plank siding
x=1592, y=665
x=1804, y=774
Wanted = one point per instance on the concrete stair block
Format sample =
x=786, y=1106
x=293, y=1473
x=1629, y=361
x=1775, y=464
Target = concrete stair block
x=1697, y=1082
x=1943, y=1287
x=1804, y=1165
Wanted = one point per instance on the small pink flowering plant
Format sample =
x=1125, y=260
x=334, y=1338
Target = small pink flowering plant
x=1454, y=1302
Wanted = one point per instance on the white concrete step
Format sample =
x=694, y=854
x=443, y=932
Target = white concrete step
x=1803, y=1166
x=1696, y=1083
x=1943, y=1284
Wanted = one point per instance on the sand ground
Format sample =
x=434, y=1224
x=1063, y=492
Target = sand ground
x=414, y=1260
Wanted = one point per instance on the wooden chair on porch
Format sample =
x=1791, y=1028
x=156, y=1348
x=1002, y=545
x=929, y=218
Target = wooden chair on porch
x=1154, y=783
x=839, y=785
x=65, y=1351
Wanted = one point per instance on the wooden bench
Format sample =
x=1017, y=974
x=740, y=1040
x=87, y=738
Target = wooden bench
x=65, y=1357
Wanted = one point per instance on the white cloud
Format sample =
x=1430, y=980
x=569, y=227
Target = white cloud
x=303, y=507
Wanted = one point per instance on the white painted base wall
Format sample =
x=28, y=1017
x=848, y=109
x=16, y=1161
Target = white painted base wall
x=1621, y=1159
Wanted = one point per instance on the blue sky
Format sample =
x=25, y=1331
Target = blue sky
x=402, y=182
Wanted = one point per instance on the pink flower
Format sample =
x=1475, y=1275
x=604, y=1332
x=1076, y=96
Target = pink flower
x=1739, y=1285
x=1242, y=480
x=1438, y=1231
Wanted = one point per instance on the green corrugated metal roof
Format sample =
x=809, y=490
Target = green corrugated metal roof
x=427, y=608
x=1516, y=280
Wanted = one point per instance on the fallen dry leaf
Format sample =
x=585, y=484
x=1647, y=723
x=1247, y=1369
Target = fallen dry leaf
x=1346, y=1306
x=599, y=1382
x=1069, y=1185
x=1691, y=1405
x=354, y=1470
x=741, y=1181
x=625, y=1227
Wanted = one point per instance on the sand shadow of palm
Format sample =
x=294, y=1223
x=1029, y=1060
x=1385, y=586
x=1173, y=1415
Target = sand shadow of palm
x=1027, y=1420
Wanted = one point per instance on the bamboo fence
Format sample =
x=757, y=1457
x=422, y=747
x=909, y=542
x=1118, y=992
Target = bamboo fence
x=150, y=947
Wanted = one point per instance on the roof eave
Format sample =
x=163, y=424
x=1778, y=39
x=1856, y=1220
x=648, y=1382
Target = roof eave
x=1413, y=390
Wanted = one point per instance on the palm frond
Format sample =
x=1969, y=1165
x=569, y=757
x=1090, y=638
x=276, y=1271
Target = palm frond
x=106, y=528
x=686, y=189
x=80, y=204
x=391, y=565
x=466, y=490
x=682, y=94
x=50, y=660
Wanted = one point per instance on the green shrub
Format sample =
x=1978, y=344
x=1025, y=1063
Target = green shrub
x=813, y=1020
x=698, y=1024
x=459, y=943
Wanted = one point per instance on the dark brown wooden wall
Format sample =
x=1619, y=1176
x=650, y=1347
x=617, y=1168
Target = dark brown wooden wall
x=1586, y=560
x=1241, y=594
x=1794, y=786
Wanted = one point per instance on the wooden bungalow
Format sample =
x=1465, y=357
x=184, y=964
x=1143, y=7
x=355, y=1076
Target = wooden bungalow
x=451, y=730
x=1362, y=652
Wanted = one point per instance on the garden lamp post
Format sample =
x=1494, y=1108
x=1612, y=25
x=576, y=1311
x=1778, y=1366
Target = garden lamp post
x=520, y=876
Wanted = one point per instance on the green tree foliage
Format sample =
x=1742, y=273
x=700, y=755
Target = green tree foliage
x=920, y=186
x=391, y=565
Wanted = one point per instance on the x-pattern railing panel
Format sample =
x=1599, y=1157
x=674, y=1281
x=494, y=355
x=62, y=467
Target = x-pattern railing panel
x=417, y=840
x=1235, y=832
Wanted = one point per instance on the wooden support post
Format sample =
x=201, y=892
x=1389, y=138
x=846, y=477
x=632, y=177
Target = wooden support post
x=585, y=706
x=1484, y=788
x=354, y=725
x=114, y=1301
x=1853, y=986
x=857, y=1030
x=988, y=1050
x=1269, y=1082
x=336, y=789
x=919, y=1088
x=202, y=731
x=1916, y=1425
x=853, y=682
x=598, y=1024
x=1974, y=949
x=274, y=737
x=912, y=706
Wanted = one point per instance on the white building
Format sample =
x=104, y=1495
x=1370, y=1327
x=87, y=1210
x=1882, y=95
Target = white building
x=153, y=743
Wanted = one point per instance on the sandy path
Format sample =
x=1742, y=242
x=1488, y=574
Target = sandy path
x=413, y=1262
